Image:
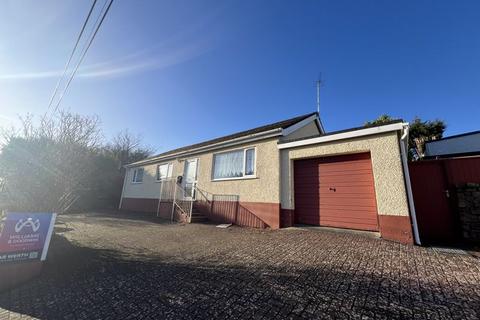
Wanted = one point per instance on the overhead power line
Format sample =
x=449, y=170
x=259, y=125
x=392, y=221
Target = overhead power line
x=84, y=53
x=97, y=25
x=71, y=56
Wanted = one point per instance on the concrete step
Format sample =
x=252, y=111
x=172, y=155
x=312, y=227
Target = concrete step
x=197, y=214
x=198, y=217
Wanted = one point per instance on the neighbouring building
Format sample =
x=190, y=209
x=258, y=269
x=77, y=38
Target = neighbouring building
x=461, y=145
x=286, y=173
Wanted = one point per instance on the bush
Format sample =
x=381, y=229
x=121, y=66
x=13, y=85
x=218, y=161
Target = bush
x=63, y=165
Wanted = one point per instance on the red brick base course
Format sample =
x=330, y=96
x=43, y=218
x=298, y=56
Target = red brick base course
x=247, y=214
x=148, y=205
x=396, y=228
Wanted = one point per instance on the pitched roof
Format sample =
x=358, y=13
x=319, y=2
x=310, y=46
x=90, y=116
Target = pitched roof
x=272, y=126
x=455, y=136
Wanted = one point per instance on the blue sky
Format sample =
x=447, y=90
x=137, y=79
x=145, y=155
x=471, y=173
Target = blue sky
x=178, y=72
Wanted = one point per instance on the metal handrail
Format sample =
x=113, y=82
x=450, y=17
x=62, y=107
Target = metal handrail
x=185, y=204
x=210, y=198
x=205, y=194
x=180, y=201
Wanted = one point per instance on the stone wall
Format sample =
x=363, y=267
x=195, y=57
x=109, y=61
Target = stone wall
x=469, y=211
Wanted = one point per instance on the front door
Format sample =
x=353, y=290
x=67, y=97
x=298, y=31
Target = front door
x=189, y=177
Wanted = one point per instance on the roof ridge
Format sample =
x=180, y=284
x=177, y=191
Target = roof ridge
x=272, y=126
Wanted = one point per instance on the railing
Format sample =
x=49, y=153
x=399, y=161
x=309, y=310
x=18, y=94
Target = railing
x=225, y=208
x=203, y=200
x=203, y=195
x=173, y=196
x=183, y=200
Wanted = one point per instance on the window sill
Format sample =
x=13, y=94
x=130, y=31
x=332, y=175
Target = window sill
x=233, y=179
x=136, y=182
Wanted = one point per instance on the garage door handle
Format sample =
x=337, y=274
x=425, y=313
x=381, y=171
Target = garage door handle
x=333, y=189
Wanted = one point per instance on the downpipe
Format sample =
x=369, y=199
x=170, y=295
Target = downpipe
x=406, y=173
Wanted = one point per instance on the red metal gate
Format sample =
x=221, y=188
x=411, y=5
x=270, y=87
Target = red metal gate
x=433, y=185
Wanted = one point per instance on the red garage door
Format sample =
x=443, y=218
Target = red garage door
x=336, y=192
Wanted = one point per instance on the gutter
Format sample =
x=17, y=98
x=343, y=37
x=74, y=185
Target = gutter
x=406, y=173
x=343, y=135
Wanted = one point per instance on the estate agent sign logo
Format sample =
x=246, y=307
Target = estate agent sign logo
x=25, y=236
x=29, y=222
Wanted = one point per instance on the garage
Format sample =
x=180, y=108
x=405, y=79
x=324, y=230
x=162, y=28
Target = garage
x=336, y=191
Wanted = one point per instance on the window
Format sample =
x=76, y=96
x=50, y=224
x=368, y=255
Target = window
x=234, y=164
x=249, y=162
x=164, y=171
x=138, y=175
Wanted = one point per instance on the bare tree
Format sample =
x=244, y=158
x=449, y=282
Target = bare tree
x=127, y=148
x=60, y=163
x=43, y=165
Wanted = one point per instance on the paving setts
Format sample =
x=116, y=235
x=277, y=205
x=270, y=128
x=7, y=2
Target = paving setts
x=132, y=266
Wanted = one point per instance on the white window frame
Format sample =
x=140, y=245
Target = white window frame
x=250, y=176
x=169, y=171
x=134, y=177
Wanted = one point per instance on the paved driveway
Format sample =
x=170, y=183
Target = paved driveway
x=114, y=267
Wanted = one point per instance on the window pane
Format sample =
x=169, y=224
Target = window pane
x=139, y=175
x=162, y=171
x=250, y=162
x=228, y=165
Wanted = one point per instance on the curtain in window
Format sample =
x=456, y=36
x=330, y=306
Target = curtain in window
x=162, y=171
x=228, y=165
x=250, y=162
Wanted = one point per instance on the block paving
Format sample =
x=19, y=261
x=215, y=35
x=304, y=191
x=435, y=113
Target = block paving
x=133, y=266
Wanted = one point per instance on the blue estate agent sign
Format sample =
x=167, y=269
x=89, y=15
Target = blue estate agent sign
x=25, y=236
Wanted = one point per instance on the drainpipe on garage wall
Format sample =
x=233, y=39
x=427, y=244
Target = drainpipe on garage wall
x=406, y=173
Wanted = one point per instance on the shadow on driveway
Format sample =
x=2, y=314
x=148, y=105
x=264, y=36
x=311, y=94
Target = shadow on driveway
x=120, y=218
x=87, y=283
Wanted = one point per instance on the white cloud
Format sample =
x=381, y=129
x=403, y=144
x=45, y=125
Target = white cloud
x=30, y=75
x=141, y=61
